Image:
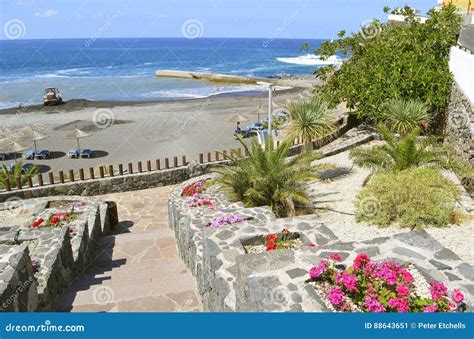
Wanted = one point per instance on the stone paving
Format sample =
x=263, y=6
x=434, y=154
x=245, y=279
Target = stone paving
x=137, y=269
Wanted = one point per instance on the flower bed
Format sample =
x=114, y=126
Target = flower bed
x=197, y=201
x=55, y=220
x=274, y=241
x=61, y=204
x=194, y=188
x=368, y=286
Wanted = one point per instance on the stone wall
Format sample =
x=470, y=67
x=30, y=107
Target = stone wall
x=61, y=253
x=460, y=129
x=229, y=278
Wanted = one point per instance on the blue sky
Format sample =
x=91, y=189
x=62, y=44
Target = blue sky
x=212, y=18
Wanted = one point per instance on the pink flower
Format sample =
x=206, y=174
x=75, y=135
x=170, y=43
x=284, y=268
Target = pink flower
x=402, y=290
x=400, y=304
x=437, y=290
x=373, y=304
x=335, y=257
x=458, y=296
x=430, y=308
x=406, y=276
x=361, y=261
x=348, y=280
x=318, y=271
x=335, y=295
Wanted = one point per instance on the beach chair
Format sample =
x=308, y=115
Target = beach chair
x=73, y=153
x=86, y=153
x=29, y=155
x=3, y=156
x=25, y=168
x=11, y=166
x=43, y=154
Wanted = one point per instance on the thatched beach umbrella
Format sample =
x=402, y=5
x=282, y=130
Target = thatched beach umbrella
x=77, y=134
x=259, y=111
x=239, y=118
x=10, y=146
x=34, y=135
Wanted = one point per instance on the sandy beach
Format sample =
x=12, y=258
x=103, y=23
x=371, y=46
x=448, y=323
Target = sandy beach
x=140, y=131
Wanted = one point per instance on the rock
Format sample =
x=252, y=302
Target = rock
x=408, y=253
x=296, y=272
x=439, y=265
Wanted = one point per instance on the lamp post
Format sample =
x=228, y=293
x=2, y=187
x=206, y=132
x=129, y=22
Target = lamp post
x=270, y=106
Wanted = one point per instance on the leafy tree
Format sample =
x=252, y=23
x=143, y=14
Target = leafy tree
x=309, y=120
x=267, y=177
x=398, y=155
x=388, y=60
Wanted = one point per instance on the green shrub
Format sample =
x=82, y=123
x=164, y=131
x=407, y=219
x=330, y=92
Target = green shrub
x=412, y=198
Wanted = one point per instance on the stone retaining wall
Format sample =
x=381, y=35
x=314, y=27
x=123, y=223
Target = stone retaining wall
x=460, y=129
x=62, y=252
x=230, y=279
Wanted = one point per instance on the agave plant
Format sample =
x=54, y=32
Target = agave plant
x=15, y=172
x=404, y=116
x=309, y=120
x=266, y=177
x=409, y=152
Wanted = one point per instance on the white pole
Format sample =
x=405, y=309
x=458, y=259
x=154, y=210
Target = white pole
x=270, y=109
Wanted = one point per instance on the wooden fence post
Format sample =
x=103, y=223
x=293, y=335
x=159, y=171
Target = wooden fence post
x=81, y=174
x=209, y=157
x=158, y=164
x=91, y=172
x=71, y=175
x=183, y=159
x=201, y=158
x=30, y=182
x=167, y=163
x=51, y=178
x=175, y=161
x=148, y=166
x=61, y=177
x=8, y=186
x=217, y=156
x=18, y=183
x=40, y=179
x=101, y=171
x=140, y=168
x=120, y=169
x=111, y=170
x=130, y=168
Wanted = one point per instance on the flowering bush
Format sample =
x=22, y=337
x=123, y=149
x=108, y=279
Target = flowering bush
x=285, y=239
x=379, y=287
x=194, y=188
x=224, y=220
x=78, y=203
x=197, y=201
x=57, y=220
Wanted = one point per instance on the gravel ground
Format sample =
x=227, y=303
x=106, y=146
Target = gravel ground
x=338, y=194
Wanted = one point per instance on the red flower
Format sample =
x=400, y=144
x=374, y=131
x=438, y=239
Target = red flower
x=71, y=230
x=55, y=220
x=335, y=257
x=312, y=245
x=285, y=230
x=37, y=223
x=271, y=246
x=271, y=237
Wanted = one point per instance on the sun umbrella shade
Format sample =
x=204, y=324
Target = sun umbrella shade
x=14, y=147
x=239, y=118
x=77, y=134
x=34, y=135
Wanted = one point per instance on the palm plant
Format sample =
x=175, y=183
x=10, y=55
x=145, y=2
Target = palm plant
x=309, y=120
x=401, y=154
x=404, y=116
x=266, y=177
x=16, y=171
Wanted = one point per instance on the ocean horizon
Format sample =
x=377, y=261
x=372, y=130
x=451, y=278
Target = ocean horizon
x=124, y=69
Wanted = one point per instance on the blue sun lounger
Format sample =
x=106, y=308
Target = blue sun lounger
x=86, y=153
x=73, y=153
x=43, y=154
x=3, y=156
x=29, y=155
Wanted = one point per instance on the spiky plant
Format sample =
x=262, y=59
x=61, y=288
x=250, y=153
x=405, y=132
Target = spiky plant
x=266, y=177
x=404, y=116
x=15, y=172
x=402, y=154
x=309, y=120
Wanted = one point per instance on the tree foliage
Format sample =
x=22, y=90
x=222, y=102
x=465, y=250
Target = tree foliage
x=387, y=60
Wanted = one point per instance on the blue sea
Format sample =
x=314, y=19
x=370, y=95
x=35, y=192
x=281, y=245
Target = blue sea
x=123, y=69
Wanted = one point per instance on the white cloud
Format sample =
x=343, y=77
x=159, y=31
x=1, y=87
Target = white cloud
x=47, y=13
